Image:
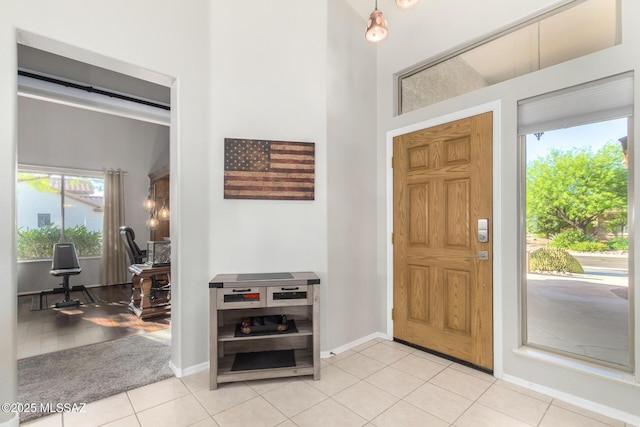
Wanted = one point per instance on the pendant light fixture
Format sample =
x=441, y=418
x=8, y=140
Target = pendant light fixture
x=376, y=26
x=406, y=4
x=150, y=204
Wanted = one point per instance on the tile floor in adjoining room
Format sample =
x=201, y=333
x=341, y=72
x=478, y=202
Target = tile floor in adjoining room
x=379, y=383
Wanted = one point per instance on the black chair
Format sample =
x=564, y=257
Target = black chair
x=136, y=255
x=65, y=264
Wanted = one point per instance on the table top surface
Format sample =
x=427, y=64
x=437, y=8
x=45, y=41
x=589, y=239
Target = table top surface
x=264, y=279
x=144, y=269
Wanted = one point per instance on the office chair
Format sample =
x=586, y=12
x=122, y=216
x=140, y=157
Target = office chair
x=65, y=264
x=136, y=255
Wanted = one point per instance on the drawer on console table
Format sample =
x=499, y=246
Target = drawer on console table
x=284, y=296
x=245, y=297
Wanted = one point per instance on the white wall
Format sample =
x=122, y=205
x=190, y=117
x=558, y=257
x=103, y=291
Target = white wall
x=300, y=80
x=35, y=276
x=351, y=153
x=268, y=81
x=159, y=40
x=434, y=28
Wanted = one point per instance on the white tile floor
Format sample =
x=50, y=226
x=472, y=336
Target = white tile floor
x=379, y=383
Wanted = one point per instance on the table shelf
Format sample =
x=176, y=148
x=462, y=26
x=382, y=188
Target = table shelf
x=227, y=333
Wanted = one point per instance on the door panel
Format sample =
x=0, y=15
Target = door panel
x=442, y=291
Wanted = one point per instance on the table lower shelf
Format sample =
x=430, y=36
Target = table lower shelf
x=304, y=366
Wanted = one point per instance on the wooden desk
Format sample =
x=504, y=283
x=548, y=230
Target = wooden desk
x=143, y=302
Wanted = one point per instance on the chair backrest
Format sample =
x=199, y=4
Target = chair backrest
x=64, y=257
x=136, y=256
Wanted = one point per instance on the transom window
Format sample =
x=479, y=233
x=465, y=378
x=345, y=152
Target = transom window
x=562, y=34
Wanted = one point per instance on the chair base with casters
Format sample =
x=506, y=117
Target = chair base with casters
x=65, y=264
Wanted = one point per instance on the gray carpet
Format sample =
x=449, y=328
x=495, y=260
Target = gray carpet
x=92, y=372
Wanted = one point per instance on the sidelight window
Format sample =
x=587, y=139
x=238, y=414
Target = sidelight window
x=575, y=237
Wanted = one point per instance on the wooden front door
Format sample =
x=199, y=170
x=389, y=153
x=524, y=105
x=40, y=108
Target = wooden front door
x=443, y=289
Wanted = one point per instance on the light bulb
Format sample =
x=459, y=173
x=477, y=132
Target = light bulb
x=152, y=223
x=164, y=214
x=149, y=204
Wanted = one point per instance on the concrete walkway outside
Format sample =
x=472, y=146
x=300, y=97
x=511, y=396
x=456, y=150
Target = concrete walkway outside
x=585, y=314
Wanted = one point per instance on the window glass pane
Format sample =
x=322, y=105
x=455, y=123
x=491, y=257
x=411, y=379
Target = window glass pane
x=577, y=287
x=42, y=219
x=583, y=29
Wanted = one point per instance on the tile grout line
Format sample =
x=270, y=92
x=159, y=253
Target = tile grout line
x=545, y=412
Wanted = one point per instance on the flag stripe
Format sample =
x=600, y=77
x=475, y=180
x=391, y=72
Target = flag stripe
x=308, y=153
x=231, y=184
x=269, y=188
x=292, y=145
x=306, y=196
x=234, y=180
x=290, y=158
x=307, y=175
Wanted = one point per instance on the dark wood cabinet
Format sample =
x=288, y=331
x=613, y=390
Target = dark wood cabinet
x=159, y=181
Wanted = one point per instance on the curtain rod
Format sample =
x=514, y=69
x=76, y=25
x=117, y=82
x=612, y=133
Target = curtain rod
x=66, y=171
x=92, y=89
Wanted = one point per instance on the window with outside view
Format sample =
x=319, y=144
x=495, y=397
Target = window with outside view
x=577, y=298
x=55, y=207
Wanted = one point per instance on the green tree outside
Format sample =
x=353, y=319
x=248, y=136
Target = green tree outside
x=574, y=188
x=38, y=243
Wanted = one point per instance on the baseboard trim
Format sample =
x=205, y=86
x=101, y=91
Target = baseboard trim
x=188, y=371
x=575, y=400
x=355, y=343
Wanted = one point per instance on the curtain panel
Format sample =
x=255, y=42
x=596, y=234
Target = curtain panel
x=114, y=265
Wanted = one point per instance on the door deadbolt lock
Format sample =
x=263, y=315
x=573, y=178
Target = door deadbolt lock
x=483, y=230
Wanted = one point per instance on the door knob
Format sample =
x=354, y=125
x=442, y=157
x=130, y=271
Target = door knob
x=482, y=256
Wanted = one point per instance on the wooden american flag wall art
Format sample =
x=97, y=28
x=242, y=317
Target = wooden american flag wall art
x=268, y=170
